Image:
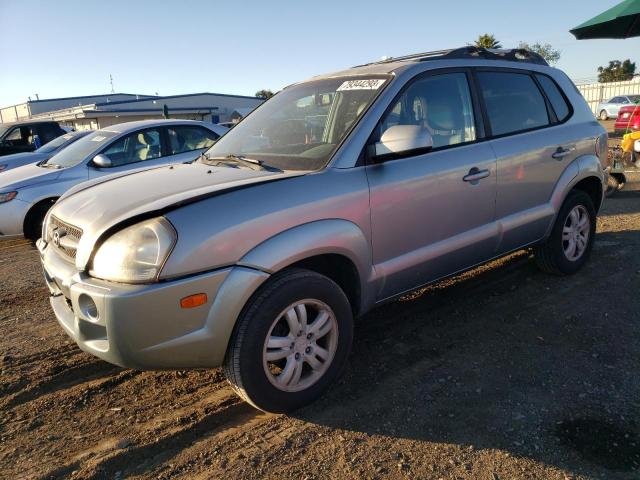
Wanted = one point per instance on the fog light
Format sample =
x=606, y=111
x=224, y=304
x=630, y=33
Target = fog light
x=88, y=307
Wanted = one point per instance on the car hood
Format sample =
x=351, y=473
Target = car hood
x=96, y=207
x=18, y=159
x=26, y=176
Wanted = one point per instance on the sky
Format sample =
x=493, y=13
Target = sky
x=69, y=48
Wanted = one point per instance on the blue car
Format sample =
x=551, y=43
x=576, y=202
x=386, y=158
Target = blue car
x=43, y=153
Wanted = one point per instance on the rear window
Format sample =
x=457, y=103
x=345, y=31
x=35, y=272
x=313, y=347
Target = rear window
x=514, y=102
x=558, y=102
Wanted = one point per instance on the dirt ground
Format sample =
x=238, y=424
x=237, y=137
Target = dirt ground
x=501, y=373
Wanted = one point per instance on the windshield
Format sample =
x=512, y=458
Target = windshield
x=81, y=149
x=301, y=127
x=55, y=143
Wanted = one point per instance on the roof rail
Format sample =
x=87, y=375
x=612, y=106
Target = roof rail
x=510, y=55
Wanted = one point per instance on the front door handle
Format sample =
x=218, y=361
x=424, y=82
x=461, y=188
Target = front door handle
x=562, y=152
x=475, y=175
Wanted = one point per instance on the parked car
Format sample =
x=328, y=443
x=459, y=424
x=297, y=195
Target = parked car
x=27, y=192
x=628, y=120
x=611, y=108
x=337, y=195
x=28, y=135
x=41, y=154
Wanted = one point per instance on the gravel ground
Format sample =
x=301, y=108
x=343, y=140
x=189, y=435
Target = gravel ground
x=501, y=373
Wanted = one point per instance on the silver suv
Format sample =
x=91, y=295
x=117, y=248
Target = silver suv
x=336, y=195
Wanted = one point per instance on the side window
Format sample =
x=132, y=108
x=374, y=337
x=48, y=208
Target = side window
x=135, y=147
x=615, y=100
x=185, y=139
x=47, y=133
x=439, y=103
x=20, y=136
x=513, y=101
x=552, y=91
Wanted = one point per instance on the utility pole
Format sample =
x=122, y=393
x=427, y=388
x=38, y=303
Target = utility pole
x=111, y=82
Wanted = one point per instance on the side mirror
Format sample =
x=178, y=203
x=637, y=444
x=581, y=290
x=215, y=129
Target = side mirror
x=401, y=139
x=102, y=161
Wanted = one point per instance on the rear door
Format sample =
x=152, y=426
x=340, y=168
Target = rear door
x=525, y=114
x=186, y=142
x=429, y=218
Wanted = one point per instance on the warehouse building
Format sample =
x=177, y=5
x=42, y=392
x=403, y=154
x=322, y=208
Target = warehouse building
x=100, y=111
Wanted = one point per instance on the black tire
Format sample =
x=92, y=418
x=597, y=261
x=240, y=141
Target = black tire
x=604, y=115
x=550, y=256
x=35, y=218
x=244, y=365
x=613, y=185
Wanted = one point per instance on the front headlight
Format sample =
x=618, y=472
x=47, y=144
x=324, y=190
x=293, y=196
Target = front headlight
x=7, y=196
x=135, y=254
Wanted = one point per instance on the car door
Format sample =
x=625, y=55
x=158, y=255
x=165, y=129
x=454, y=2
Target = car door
x=614, y=106
x=18, y=140
x=186, y=142
x=139, y=149
x=525, y=113
x=433, y=212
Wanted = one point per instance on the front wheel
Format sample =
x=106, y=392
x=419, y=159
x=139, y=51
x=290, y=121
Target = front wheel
x=571, y=240
x=291, y=342
x=604, y=115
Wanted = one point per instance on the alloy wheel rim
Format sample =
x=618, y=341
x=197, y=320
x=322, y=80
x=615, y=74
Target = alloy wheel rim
x=300, y=345
x=575, y=233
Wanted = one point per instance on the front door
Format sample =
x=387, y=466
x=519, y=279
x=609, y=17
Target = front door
x=433, y=213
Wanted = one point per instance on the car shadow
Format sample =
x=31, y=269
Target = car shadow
x=506, y=357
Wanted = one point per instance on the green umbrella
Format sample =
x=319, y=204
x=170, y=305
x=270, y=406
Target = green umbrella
x=621, y=21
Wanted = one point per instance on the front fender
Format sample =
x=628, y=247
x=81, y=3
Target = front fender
x=331, y=236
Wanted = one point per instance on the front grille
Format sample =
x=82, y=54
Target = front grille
x=64, y=237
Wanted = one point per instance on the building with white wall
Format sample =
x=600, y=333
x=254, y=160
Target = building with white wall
x=99, y=111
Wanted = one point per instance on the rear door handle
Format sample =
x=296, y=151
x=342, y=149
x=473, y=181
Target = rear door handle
x=562, y=152
x=475, y=175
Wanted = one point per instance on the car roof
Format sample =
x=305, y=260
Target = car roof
x=130, y=126
x=515, y=58
x=27, y=122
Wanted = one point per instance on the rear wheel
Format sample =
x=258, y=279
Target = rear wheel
x=291, y=342
x=571, y=240
x=604, y=115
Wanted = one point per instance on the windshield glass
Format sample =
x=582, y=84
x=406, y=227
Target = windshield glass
x=301, y=127
x=55, y=143
x=81, y=149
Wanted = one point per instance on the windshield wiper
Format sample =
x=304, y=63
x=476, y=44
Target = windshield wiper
x=232, y=157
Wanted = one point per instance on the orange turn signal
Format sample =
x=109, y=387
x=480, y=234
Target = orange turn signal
x=193, y=301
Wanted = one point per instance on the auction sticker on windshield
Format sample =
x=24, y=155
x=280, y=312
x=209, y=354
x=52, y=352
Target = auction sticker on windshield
x=98, y=139
x=364, y=84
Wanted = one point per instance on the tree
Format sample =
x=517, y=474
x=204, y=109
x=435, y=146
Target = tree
x=487, y=41
x=617, y=71
x=545, y=50
x=266, y=94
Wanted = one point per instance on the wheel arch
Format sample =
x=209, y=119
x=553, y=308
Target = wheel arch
x=335, y=248
x=28, y=218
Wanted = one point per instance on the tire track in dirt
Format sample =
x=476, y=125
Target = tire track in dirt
x=68, y=378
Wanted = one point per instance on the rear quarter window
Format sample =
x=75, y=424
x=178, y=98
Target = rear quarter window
x=553, y=93
x=513, y=102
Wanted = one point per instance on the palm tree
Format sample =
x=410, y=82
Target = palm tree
x=487, y=41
